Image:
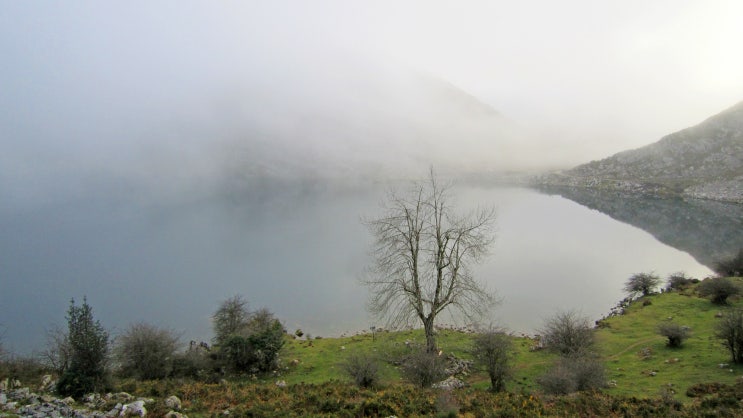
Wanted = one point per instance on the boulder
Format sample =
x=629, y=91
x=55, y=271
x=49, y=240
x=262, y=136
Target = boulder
x=46, y=383
x=134, y=409
x=172, y=402
x=122, y=397
x=173, y=414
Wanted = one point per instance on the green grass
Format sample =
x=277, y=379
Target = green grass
x=321, y=360
x=619, y=343
x=697, y=361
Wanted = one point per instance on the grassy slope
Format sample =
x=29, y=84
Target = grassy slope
x=619, y=344
x=320, y=361
x=696, y=361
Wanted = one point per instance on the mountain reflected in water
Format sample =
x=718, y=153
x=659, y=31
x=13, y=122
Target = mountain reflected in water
x=708, y=230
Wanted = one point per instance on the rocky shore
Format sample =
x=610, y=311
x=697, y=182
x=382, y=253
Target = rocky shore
x=17, y=401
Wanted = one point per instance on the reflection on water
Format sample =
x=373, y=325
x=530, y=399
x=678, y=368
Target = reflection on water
x=708, y=230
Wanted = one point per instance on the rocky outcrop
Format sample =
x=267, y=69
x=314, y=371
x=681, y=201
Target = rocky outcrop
x=449, y=383
x=704, y=161
x=24, y=403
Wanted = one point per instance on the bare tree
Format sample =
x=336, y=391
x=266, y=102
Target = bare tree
x=568, y=334
x=146, y=351
x=643, y=283
x=492, y=351
x=423, y=252
x=58, y=351
x=231, y=318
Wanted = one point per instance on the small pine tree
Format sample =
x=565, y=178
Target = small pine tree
x=88, y=342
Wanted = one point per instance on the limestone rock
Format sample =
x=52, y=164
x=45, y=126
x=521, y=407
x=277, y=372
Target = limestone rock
x=450, y=383
x=134, y=409
x=173, y=402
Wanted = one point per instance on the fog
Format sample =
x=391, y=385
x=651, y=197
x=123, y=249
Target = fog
x=136, y=106
x=141, y=90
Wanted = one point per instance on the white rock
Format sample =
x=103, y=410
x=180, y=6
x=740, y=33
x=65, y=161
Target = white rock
x=134, y=409
x=173, y=402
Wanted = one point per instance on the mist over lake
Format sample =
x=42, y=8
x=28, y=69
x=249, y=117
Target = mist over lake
x=297, y=248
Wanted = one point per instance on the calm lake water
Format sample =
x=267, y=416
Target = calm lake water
x=299, y=251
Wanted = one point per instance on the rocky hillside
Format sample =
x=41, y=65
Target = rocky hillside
x=704, y=161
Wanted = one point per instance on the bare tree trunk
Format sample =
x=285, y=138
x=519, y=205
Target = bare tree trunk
x=430, y=337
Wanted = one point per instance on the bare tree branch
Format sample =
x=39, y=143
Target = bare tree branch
x=422, y=251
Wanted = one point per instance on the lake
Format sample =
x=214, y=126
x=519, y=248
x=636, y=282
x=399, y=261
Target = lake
x=300, y=249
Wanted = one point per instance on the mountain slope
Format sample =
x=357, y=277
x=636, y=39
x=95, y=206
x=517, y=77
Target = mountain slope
x=703, y=161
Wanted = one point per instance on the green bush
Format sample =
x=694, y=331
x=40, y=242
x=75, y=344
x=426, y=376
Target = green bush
x=423, y=369
x=363, y=369
x=22, y=368
x=679, y=281
x=732, y=267
x=193, y=363
x=573, y=374
x=675, y=333
x=247, y=341
x=719, y=289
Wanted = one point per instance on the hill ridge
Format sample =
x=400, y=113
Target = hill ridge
x=702, y=161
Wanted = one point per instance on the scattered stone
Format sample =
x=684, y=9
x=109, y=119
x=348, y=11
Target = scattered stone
x=457, y=366
x=653, y=373
x=281, y=383
x=718, y=314
x=3, y=398
x=646, y=353
x=173, y=414
x=723, y=365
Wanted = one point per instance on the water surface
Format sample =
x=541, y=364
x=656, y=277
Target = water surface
x=298, y=250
